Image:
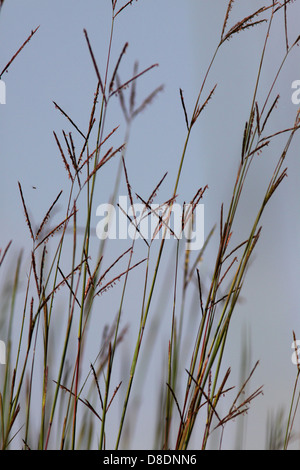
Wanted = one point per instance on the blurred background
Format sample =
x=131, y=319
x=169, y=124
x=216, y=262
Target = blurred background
x=181, y=36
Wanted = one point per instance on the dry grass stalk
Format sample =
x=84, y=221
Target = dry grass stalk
x=19, y=50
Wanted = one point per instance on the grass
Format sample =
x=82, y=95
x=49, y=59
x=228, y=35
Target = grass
x=75, y=397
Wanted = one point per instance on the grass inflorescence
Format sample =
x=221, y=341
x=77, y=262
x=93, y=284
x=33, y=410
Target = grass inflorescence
x=76, y=397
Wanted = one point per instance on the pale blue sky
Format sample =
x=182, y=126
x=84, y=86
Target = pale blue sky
x=181, y=37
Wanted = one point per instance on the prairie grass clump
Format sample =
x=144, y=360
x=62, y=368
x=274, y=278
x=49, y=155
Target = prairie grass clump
x=52, y=395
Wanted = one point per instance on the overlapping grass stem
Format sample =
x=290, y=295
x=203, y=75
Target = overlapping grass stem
x=76, y=401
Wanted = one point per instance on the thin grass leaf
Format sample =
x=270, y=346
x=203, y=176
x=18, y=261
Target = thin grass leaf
x=128, y=185
x=282, y=5
x=113, y=396
x=122, y=100
x=184, y=109
x=71, y=151
x=123, y=7
x=147, y=101
x=56, y=229
x=67, y=166
x=92, y=278
x=108, y=156
x=133, y=89
x=72, y=154
x=118, y=277
x=47, y=216
x=95, y=64
x=274, y=105
x=125, y=85
x=91, y=123
x=227, y=270
x=293, y=129
x=26, y=212
x=258, y=149
x=161, y=221
x=276, y=183
x=134, y=224
x=79, y=169
x=199, y=109
x=286, y=27
x=208, y=400
x=69, y=119
x=200, y=292
x=247, y=136
x=97, y=384
x=156, y=189
x=33, y=263
x=257, y=118
x=5, y=252
x=112, y=265
x=69, y=286
x=83, y=401
x=234, y=250
x=19, y=50
x=176, y=402
x=117, y=66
